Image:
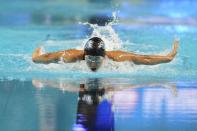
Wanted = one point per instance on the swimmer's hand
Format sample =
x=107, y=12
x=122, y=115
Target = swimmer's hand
x=174, y=49
x=121, y=56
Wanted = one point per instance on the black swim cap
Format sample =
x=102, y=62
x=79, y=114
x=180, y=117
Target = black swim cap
x=95, y=47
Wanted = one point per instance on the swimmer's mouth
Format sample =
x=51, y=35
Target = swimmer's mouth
x=94, y=62
x=93, y=69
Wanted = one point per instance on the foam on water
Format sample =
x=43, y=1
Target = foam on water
x=106, y=33
x=109, y=36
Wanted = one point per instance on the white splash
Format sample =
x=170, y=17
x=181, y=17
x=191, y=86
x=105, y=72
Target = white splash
x=108, y=35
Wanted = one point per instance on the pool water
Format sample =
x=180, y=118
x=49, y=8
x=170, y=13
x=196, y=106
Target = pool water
x=97, y=104
x=119, y=96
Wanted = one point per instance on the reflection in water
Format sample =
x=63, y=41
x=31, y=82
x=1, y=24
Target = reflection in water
x=92, y=113
x=94, y=104
x=99, y=103
x=47, y=112
x=54, y=113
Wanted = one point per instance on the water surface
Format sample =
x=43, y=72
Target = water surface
x=97, y=104
x=120, y=96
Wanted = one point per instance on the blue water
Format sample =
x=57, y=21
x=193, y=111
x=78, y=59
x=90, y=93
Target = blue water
x=120, y=96
x=104, y=104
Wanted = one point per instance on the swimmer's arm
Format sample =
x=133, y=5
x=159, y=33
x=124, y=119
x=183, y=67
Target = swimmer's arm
x=66, y=55
x=121, y=56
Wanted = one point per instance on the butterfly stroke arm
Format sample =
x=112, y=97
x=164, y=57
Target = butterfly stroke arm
x=71, y=55
x=121, y=56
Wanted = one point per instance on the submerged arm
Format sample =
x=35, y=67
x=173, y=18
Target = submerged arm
x=121, y=56
x=67, y=56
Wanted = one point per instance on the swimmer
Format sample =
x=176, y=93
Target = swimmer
x=94, y=53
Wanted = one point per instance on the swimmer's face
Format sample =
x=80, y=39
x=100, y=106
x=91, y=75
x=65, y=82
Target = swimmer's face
x=94, y=62
x=94, y=53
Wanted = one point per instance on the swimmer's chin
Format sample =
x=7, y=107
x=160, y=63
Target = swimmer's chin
x=93, y=69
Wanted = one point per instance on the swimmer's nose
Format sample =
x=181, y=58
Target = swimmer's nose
x=93, y=64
